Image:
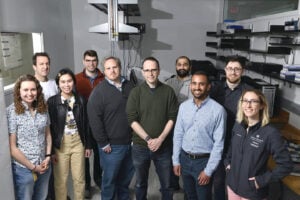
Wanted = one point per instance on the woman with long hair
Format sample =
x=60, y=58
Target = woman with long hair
x=254, y=140
x=29, y=139
x=70, y=135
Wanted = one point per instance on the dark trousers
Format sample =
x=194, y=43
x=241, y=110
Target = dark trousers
x=97, y=175
x=219, y=182
x=51, y=193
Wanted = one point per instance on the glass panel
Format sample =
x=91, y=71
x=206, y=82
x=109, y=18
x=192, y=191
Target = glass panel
x=16, y=54
x=247, y=9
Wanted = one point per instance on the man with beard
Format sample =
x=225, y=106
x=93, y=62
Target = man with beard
x=198, y=139
x=181, y=87
x=181, y=82
x=86, y=81
x=227, y=93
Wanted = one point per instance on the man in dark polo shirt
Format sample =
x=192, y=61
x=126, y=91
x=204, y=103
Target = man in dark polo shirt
x=227, y=93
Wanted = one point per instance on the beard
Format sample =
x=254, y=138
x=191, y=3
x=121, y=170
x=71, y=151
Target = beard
x=200, y=96
x=233, y=80
x=182, y=73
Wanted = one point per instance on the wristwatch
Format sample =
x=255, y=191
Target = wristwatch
x=147, y=138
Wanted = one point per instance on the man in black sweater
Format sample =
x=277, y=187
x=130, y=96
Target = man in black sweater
x=109, y=124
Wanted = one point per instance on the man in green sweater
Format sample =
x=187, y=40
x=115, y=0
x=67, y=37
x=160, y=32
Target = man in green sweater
x=151, y=109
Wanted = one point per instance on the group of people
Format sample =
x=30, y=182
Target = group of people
x=204, y=132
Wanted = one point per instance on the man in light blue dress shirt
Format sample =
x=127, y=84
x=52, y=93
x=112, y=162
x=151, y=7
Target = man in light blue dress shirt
x=198, y=139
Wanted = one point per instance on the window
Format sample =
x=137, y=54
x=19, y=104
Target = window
x=247, y=9
x=16, y=54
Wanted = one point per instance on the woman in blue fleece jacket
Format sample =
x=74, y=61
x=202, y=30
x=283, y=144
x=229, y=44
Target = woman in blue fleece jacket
x=253, y=141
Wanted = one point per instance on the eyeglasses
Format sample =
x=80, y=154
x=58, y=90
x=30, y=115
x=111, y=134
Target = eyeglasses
x=150, y=70
x=238, y=70
x=251, y=101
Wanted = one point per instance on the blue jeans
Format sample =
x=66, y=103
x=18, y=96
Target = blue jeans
x=190, y=169
x=142, y=157
x=118, y=171
x=28, y=189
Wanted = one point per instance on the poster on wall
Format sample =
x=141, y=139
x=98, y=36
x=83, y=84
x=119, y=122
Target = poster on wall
x=11, y=50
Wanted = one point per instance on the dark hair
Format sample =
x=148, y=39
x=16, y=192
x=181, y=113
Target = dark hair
x=203, y=73
x=238, y=59
x=151, y=59
x=63, y=72
x=91, y=53
x=117, y=60
x=43, y=54
x=39, y=103
x=184, y=57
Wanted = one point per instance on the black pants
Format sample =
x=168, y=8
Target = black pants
x=97, y=175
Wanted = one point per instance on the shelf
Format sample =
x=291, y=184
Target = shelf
x=248, y=34
x=273, y=74
x=212, y=45
x=285, y=44
x=273, y=51
x=279, y=43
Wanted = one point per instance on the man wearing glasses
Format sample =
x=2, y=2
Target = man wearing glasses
x=151, y=110
x=86, y=81
x=227, y=93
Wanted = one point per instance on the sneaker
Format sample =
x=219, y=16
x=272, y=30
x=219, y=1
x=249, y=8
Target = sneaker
x=87, y=194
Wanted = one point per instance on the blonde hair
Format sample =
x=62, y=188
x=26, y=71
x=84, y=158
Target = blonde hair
x=263, y=113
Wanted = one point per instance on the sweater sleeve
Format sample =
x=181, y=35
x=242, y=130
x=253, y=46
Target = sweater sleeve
x=95, y=116
x=173, y=106
x=132, y=106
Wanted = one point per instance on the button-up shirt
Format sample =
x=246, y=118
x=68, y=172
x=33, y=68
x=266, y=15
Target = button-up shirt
x=200, y=129
x=181, y=88
x=30, y=131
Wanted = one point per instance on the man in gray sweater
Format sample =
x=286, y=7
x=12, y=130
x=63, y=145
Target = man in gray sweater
x=109, y=124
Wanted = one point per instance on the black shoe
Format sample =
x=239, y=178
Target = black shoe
x=68, y=198
x=87, y=194
x=175, y=188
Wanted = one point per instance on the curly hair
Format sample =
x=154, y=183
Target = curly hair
x=39, y=103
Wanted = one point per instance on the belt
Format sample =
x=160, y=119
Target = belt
x=196, y=156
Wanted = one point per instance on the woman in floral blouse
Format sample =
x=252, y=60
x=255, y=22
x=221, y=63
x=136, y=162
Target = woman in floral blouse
x=30, y=139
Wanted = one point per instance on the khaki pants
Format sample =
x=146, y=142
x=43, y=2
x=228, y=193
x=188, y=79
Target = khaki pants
x=69, y=156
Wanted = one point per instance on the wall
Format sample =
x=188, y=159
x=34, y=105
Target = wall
x=53, y=18
x=173, y=28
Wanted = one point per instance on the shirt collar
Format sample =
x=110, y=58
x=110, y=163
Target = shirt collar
x=202, y=103
x=122, y=80
x=226, y=85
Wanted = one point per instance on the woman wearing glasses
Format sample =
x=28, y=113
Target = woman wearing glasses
x=253, y=141
x=71, y=141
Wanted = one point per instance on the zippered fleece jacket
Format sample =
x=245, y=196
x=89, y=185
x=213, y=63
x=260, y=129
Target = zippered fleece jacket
x=248, y=157
x=152, y=108
x=107, y=114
